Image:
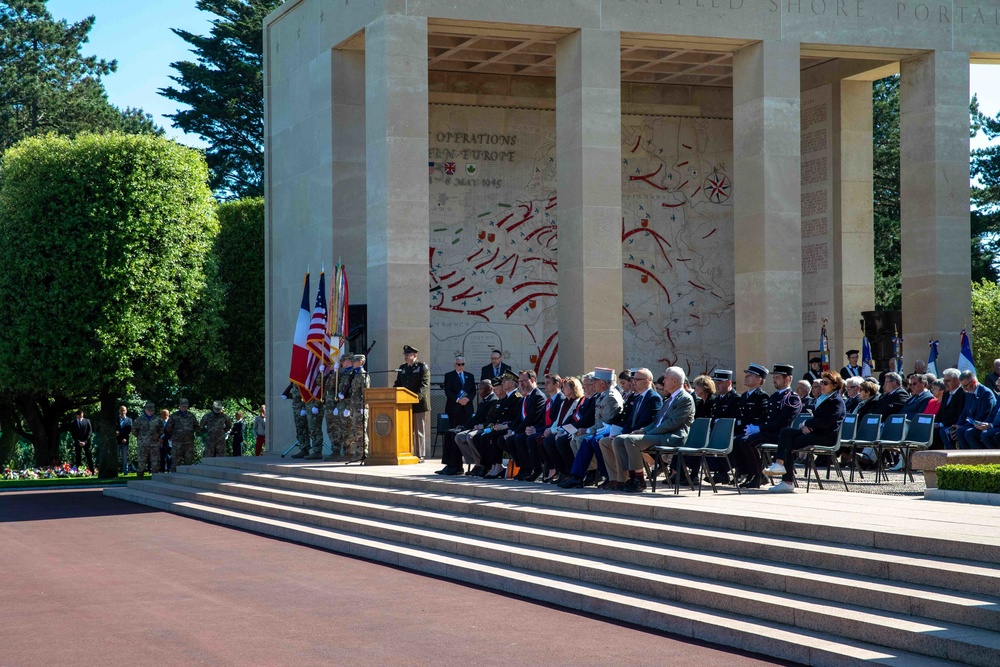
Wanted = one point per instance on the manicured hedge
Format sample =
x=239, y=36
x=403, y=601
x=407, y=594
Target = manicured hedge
x=979, y=478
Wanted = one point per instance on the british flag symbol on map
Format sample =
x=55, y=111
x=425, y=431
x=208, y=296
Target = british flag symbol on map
x=449, y=168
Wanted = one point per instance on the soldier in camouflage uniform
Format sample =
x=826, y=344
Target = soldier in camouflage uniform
x=357, y=434
x=180, y=428
x=147, y=429
x=216, y=425
x=299, y=417
x=336, y=390
x=314, y=414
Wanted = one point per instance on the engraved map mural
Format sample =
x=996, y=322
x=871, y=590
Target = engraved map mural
x=494, y=239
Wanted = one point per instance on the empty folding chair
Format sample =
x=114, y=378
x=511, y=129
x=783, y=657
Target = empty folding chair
x=867, y=433
x=697, y=438
x=920, y=437
x=893, y=434
x=719, y=445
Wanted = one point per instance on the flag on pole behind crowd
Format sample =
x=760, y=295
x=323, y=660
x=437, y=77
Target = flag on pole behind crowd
x=897, y=351
x=932, y=358
x=965, y=362
x=318, y=344
x=867, y=363
x=339, y=301
x=298, y=373
x=824, y=347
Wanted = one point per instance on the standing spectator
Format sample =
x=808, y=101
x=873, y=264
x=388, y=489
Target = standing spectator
x=851, y=369
x=459, y=390
x=81, y=432
x=815, y=370
x=415, y=376
x=148, y=430
x=215, y=424
x=496, y=368
x=260, y=430
x=166, y=457
x=180, y=430
x=122, y=432
x=236, y=435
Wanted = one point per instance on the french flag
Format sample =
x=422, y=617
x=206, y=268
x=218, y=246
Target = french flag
x=299, y=372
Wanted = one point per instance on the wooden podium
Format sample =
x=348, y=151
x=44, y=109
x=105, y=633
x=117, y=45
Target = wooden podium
x=390, y=424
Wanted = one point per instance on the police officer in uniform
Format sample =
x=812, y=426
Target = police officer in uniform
x=415, y=376
x=783, y=406
x=727, y=401
x=753, y=402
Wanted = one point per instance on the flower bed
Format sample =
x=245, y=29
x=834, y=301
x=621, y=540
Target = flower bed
x=975, y=478
x=64, y=471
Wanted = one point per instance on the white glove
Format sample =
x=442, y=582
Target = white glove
x=315, y=410
x=347, y=413
x=336, y=411
x=284, y=398
x=302, y=413
x=340, y=396
x=364, y=411
x=752, y=429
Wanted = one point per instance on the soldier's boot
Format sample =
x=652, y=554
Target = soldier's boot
x=316, y=453
x=301, y=454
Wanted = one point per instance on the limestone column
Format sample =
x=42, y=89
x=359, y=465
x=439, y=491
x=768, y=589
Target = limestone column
x=853, y=214
x=349, y=147
x=767, y=208
x=398, y=232
x=934, y=198
x=588, y=139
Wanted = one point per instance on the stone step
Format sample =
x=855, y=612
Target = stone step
x=939, y=639
x=867, y=562
x=781, y=641
x=975, y=610
x=982, y=546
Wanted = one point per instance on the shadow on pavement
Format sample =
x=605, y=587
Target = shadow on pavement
x=63, y=504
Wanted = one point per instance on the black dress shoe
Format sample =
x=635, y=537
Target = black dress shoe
x=533, y=475
x=571, y=483
x=590, y=479
x=477, y=471
x=633, y=486
x=752, y=483
x=451, y=471
x=443, y=471
x=503, y=471
x=551, y=478
x=522, y=474
x=720, y=478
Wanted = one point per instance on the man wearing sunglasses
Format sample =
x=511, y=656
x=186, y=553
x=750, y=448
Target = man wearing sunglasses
x=459, y=390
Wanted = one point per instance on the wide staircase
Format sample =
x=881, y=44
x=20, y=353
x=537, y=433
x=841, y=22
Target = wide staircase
x=767, y=578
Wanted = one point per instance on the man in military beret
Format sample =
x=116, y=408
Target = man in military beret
x=357, y=412
x=180, y=429
x=415, y=376
x=148, y=428
x=299, y=418
x=215, y=425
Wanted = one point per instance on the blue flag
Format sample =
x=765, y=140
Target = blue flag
x=867, y=363
x=965, y=362
x=932, y=358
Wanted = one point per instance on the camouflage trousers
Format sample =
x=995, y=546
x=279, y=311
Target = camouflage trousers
x=183, y=453
x=336, y=429
x=357, y=435
x=315, y=431
x=149, y=457
x=215, y=446
x=302, y=430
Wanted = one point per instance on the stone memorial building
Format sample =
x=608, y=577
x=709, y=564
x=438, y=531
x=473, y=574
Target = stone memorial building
x=609, y=182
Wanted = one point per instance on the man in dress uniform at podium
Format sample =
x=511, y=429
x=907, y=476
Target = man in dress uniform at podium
x=415, y=376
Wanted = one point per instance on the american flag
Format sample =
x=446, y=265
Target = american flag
x=318, y=344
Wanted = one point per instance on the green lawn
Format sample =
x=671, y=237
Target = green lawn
x=7, y=484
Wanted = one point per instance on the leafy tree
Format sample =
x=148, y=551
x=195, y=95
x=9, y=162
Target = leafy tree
x=986, y=198
x=985, y=323
x=104, y=241
x=885, y=177
x=239, y=249
x=225, y=92
x=47, y=85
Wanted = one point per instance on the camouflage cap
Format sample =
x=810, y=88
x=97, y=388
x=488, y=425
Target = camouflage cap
x=183, y=403
x=217, y=406
x=150, y=405
x=359, y=358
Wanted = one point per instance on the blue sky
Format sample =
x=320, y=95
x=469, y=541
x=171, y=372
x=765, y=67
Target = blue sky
x=137, y=34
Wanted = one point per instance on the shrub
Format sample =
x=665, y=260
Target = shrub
x=978, y=478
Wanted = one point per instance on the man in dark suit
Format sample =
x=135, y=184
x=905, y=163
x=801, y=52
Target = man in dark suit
x=496, y=368
x=453, y=453
x=81, y=432
x=952, y=405
x=459, y=389
x=645, y=406
x=920, y=396
x=528, y=422
x=893, y=396
x=490, y=392
x=123, y=429
x=979, y=404
x=669, y=427
x=487, y=440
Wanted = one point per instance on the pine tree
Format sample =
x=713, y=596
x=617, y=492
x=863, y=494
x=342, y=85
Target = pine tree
x=224, y=89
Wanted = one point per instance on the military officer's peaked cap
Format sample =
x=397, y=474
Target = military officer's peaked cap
x=850, y=352
x=509, y=375
x=409, y=349
x=783, y=369
x=757, y=370
x=720, y=374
